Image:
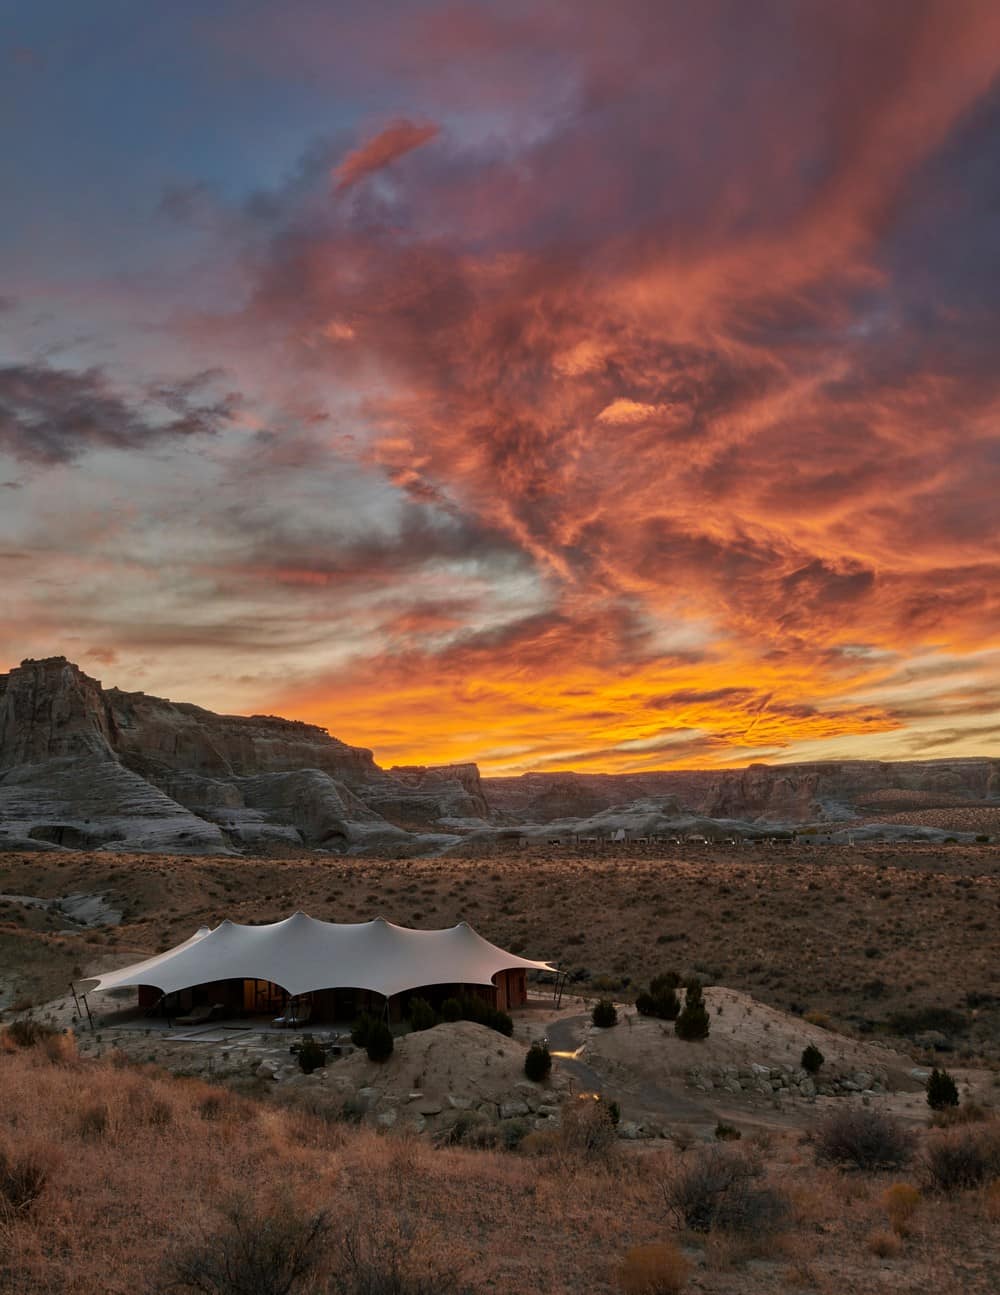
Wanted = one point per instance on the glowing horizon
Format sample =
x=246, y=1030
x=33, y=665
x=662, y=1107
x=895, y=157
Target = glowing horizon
x=540, y=385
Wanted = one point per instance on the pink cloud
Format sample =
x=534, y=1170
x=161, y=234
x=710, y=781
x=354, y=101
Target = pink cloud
x=398, y=139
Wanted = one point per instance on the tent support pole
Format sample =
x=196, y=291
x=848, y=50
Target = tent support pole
x=72, y=990
x=89, y=1017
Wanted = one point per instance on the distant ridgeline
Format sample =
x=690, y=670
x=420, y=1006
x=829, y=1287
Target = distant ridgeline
x=83, y=766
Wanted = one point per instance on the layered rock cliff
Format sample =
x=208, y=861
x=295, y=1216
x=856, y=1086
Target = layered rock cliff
x=85, y=765
x=828, y=791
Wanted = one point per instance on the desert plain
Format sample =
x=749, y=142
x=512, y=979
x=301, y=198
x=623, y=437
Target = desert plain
x=444, y=1165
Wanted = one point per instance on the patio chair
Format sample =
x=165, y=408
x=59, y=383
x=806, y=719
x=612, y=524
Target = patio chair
x=295, y=1014
x=198, y=1016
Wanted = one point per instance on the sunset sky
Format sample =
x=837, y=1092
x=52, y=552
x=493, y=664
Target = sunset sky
x=560, y=385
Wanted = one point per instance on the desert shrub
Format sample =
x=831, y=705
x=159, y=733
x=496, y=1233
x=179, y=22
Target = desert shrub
x=967, y=1113
x=944, y=1019
x=371, y=1033
x=693, y=1023
x=658, y=1269
x=511, y=1133
x=538, y=1062
x=26, y=1033
x=605, y=1014
x=422, y=1015
x=817, y=1018
x=900, y=1202
x=470, y=1007
x=61, y=1048
x=540, y=1142
x=660, y=1000
x=727, y=1132
x=942, y=1091
x=884, y=1245
x=958, y=1160
x=812, y=1059
x=860, y=1138
x=23, y=1175
x=469, y=1129
x=721, y=1188
x=588, y=1128
x=371, y=1260
x=311, y=1054
x=254, y=1252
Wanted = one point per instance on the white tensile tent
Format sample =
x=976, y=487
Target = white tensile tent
x=302, y=954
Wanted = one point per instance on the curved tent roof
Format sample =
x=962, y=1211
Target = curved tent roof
x=302, y=954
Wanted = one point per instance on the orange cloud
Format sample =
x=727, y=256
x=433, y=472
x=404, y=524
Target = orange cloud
x=386, y=147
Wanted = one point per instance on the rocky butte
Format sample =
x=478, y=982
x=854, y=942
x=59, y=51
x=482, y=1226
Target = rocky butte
x=87, y=766
x=83, y=766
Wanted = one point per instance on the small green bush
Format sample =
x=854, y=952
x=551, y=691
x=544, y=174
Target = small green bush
x=470, y=1007
x=311, y=1055
x=812, y=1059
x=422, y=1015
x=538, y=1062
x=693, y=1023
x=380, y=1043
x=942, y=1090
x=605, y=1014
x=371, y=1033
x=660, y=1000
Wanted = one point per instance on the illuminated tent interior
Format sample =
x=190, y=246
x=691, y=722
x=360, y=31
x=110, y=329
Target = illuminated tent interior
x=339, y=969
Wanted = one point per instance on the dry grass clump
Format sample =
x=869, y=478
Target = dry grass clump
x=24, y=1172
x=886, y=1245
x=657, y=1269
x=900, y=1202
x=967, y=1113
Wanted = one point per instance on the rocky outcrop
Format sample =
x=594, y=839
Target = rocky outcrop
x=456, y=788
x=49, y=709
x=81, y=765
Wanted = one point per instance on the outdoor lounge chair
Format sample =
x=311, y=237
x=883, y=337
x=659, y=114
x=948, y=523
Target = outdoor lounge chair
x=295, y=1014
x=200, y=1014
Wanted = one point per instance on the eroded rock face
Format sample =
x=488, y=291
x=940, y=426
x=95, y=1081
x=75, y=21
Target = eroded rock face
x=48, y=709
x=796, y=793
x=84, y=766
